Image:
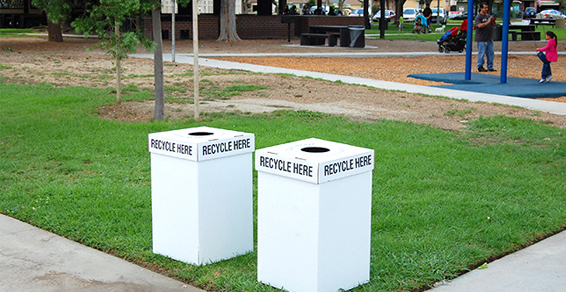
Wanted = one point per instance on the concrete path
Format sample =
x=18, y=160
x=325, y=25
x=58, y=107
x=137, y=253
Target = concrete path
x=532, y=104
x=538, y=268
x=32, y=259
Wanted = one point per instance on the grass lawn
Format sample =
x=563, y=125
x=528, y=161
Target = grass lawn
x=443, y=202
x=14, y=32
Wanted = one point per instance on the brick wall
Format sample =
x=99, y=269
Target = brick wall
x=207, y=27
x=248, y=26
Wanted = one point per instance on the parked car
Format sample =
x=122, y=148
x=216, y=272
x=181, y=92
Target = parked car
x=461, y=16
x=438, y=13
x=530, y=12
x=410, y=14
x=550, y=14
x=452, y=14
x=325, y=8
x=389, y=16
x=359, y=12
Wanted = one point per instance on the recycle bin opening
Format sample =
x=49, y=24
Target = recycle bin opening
x=315, y=149
x=201, y=134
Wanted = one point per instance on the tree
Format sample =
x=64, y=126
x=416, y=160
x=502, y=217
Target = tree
x=58, y=11
x=228, y=21
x=399, y=9
x=105, y=20
x=159, y=109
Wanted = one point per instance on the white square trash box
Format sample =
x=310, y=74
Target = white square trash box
x=201, y=194
x=314, y=215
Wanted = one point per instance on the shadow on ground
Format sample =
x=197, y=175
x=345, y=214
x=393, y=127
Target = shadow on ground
x=487, y=83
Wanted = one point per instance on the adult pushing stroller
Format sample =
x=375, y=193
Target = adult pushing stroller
x=452, y=40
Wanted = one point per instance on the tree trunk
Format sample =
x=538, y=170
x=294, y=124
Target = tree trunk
x=118, y=70
x=159, y=111
x=228, y=21
x=399, y=9
x=54, y=33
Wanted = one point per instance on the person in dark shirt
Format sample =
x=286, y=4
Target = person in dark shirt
x=427, y=12
x=484, y=29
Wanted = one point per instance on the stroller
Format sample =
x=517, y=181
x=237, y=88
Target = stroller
x=452, y=40
x=420, y=24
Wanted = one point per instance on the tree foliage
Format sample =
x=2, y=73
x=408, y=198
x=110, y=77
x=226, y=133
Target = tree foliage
x=106, y=19
x=58, y=11
x=103, y=19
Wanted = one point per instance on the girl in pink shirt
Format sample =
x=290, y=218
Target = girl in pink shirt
x=551, y=56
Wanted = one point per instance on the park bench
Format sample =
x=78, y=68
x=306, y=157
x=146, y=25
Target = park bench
x=315, y=39
x=527, y=32
x=333, y=32
x=513, y=35
x=529, y=35
x=537, y=22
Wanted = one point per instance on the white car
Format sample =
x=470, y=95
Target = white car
x=359, y=12
x=409, y=14
x=550, y=14
x=325, y=8
x=436, y=14
x=389, y=16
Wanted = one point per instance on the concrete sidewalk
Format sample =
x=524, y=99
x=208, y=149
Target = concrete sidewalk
x=557, y=108
x=539, y=267
x=32, y=259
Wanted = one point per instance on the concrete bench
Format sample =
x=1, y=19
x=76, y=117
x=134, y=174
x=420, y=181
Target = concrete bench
x=335, y=32
x=529, y=35
x=315, y=39
x=513, y=34
x=333, y=39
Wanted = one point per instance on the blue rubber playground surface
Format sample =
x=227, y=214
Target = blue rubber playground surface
x=488, y=83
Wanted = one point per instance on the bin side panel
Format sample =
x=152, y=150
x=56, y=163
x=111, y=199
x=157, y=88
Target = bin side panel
x=174, y=204
x=345, y=232
x=226, y=207
x=287, y=233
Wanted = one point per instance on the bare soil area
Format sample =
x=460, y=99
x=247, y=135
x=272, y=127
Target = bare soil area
x=32, y=60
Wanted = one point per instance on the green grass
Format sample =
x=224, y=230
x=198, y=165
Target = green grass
x=15, y=32
x=459, y=112
x=443, y=202
x=211, y=91
x=175, y=88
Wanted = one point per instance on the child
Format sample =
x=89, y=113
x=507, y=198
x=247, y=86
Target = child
x=551, y=56
x=401, y=25
x=420, y=24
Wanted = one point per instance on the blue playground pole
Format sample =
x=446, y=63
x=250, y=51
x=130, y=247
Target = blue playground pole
x=468, y=74
x=505, y=41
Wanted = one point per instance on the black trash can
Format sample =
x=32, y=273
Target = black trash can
x=384, y=25
x=498, y=33
x=357, y=36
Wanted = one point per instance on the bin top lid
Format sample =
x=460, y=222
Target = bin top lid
x=201, y=143
x=314, y=160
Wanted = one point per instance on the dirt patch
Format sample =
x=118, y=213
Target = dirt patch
x=34, y=60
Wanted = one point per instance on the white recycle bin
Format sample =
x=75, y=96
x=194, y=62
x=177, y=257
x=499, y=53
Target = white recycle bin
x=201, y=194
x=314, y=215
